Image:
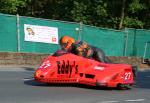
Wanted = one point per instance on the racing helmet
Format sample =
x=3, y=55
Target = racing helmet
x=66, y=42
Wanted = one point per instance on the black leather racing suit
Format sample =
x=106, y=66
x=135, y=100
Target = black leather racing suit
x=99, y=55
x=96, y=53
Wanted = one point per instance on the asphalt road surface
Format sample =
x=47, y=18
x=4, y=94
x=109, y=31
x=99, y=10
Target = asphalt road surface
x=17, y=86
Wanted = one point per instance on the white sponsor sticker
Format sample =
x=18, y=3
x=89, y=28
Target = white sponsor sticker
x=99, y=68
x=45, y=64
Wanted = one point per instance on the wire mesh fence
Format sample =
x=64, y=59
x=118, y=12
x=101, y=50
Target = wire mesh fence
x=128, y=42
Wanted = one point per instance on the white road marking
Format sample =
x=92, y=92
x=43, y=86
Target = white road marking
x=25, y=79
x=14, y=69
x=136, y=100
x=109, y=102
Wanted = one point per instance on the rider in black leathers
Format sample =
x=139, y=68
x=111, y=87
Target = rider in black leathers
x=80, y=48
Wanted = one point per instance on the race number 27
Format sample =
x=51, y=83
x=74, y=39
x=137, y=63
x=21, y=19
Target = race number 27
x=127, y=75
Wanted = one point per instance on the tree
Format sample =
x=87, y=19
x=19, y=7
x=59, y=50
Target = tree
x=134, y=13
x=91, y=12
x=122, y=14
x=11, y=6
x=116, y=14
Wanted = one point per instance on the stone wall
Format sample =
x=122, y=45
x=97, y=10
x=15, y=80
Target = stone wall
x=29, y=59
x=136, y=61
x=20, y=59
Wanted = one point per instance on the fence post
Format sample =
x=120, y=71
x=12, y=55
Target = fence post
x=145, y=51
x=81, y=27
x=126, y=42
x=79, y=30
x=18, y=33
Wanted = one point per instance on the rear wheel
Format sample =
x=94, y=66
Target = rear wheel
x=123, y=86
x=134, y=70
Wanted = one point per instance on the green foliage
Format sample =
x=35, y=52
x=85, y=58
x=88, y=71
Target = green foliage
x=136, y=6
x=104, y=13
x=79, y=12
x=91, y=12
x=101, y=8
x=132, y=23
x=11, y=6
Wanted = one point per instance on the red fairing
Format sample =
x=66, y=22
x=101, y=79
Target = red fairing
x=70, y=68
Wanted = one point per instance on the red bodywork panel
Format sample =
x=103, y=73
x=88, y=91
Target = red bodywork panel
x=70, y=68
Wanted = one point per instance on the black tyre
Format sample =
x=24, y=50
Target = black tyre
x=123, y=86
